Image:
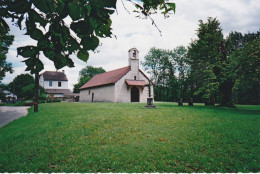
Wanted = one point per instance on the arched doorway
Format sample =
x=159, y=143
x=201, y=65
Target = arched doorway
x=134, y=94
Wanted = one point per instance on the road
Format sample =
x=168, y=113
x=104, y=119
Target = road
x=10, y=113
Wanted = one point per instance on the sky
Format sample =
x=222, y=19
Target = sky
x=179, y=29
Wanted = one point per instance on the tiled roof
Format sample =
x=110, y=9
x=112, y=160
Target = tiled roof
x=135, y=82
x=106, y=78
x=53, y=75
x=58, y=91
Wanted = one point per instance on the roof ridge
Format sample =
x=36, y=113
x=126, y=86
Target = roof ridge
x=116, y=69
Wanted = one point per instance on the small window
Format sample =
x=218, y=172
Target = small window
x=59, y=84
x=88, y=92
x=50, y=83
x=134, y=53
x=134, y=77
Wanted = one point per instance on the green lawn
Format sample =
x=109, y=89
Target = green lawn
x=113, y=137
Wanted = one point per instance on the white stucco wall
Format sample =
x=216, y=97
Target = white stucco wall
x=45, y=84
x=101, y=94
x=123, y=95
x=56, y=95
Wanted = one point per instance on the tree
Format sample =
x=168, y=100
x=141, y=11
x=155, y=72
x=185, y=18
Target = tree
x=237, y=66
x=57, y=39
x=160, y=65
x=28, y=92
x=85, y=75
x=180, y=61
x=246, y=67
x=2, y=96
x=169, y=71
x=218, y=64
x=204, y=56
x=5, y=41
x=3, y=86
x=19, y=83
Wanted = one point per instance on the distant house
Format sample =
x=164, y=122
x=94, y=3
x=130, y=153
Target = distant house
x=9, y=96
x=55, y=84
x=127, y=84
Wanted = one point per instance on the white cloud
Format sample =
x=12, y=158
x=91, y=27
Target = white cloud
x=179, y=29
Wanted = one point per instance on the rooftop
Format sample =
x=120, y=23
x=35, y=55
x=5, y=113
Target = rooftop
x=106, y=78
x=53, y=75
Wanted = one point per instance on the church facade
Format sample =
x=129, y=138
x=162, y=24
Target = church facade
x=123, y=85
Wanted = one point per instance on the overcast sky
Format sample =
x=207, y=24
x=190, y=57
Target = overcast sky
x=234, y=15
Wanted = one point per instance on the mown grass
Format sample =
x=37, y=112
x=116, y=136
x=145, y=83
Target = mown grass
x=113, y=137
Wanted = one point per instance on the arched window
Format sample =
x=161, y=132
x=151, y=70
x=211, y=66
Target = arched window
x=134, y=53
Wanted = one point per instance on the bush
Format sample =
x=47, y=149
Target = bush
x=41, y=101
x=28, y=103
x=42, y=96
x=2, y=97
x=53, y=100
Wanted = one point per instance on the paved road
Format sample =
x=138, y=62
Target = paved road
x=10, y=113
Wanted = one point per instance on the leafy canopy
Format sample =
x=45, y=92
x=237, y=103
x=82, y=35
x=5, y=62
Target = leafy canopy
x=46, y=21
x=5, y=41
x=19, y=83
x=204, y=55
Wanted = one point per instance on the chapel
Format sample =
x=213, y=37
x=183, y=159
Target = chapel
x=123, y=85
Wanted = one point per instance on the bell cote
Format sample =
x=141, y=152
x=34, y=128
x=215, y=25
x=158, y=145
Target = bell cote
x=133, y=53
x=133, y=58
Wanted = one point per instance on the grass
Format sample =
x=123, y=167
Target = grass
x=116, y=137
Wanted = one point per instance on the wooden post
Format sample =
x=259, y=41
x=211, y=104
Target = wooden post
x=149, y=88
x=191, y=102
x=180, y=103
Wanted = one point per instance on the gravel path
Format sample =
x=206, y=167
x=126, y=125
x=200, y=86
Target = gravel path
x=10, y=113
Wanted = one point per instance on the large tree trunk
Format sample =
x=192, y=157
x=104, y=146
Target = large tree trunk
x=210, y=102
x=226, y=93
x=36, y=91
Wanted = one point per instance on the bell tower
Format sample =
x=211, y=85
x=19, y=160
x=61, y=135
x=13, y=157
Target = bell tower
x=133, y=58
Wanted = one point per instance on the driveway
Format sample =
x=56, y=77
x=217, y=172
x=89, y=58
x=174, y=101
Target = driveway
x=10, y=113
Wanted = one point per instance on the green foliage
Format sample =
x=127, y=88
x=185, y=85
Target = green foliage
x=91, y=71
x=81, y=82
x=168, y=70
x=19, y=82
x=3, y=86
x=211, y=70
x=245, y=59
x=124, y=138
x=204, y=57
x=85, y=75
x=90, y=21
x=28, y=92
x=5, y=41
x=249, y=61
x=53, y=100
x=2, y=96
x=181, y=63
